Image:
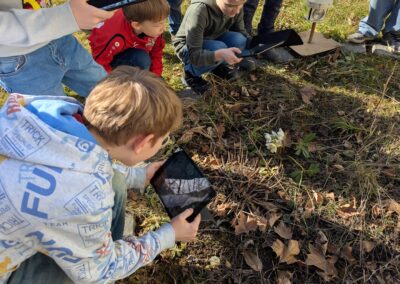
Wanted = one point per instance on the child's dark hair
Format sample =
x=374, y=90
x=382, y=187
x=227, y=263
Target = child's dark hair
x=148, y=10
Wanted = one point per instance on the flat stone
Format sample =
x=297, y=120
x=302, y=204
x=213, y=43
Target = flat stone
x=355, y=48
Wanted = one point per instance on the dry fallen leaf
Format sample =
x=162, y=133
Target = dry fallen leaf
x=306, y=94
x=222, y=208
x=234, y=107
x=284, y=277
x=254, y=92
x=273, y=217
x=322, y=241
x=253, y=261
x=367, y=246
x=330, y=196
x=245, y=224
x=317, y=258
x=189, y=134
x=245, y=92
x=286, y=253
x=348, y=210
x=253, y=77
x=318, y=198
x=283, y=231
x=338, y=167
x=376, y=210
x=345, y=253
x=262, y=224
x=394, y=207
x=220, y=129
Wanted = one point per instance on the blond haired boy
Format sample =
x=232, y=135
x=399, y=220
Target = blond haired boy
x=56, y=197
x=133, y=36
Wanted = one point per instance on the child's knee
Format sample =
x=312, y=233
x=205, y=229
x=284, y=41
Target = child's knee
x=142, y=59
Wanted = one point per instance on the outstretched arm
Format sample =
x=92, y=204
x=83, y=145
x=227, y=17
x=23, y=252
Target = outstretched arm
x=24, y=28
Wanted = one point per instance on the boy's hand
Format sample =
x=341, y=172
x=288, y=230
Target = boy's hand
x=228, y=55
x=185, y=231
x=88, y=16
x=151, y=170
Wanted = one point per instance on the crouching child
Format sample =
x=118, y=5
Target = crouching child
x=133, y=36
x=211, y=36
x=56, y=195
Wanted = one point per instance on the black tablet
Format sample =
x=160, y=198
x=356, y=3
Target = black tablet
x=181, y=185
x=259, y=49
x=112, y=4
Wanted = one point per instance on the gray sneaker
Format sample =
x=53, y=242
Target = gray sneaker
x=392, y=39
x=359, y=38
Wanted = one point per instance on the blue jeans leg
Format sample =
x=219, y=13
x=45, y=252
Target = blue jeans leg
x=378, y=11
x=228, y=39
x=37, y=269
x=35, y=73
x=132, y=57
x=82, y=73
x=392, y=23
x=269, y=14
x=175, y=16
x=43, y=71
x=199, y=70
x=234, y=39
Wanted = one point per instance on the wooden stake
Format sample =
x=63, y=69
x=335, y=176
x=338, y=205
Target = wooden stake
x=313, y=26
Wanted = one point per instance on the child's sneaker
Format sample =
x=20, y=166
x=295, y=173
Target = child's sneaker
x=392, y=39
x=196, y=83
x=226, y=72
x=359, y=38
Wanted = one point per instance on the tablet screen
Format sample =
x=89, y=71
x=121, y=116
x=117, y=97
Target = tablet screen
x=180, y=185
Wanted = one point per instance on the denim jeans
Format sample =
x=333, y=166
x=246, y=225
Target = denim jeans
x=42, y=72
x=132, y=57
x=269, y=14
x=228, y=39
x=42, y=269
x=175, y=16
x=379, y=10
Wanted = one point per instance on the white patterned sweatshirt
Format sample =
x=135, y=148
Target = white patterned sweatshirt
x=56, y=196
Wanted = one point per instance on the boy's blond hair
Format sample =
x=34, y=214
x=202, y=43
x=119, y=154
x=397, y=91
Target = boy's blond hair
x=148, y=10
x=131, y=102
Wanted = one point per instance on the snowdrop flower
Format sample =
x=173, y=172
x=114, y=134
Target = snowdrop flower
x=274, y=140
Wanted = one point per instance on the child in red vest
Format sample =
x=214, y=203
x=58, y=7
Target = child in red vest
x=133, y=36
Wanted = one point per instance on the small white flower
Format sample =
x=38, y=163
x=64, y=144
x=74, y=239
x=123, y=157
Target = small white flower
x=274, y=140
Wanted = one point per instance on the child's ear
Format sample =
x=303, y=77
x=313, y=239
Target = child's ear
x=135, y=25
x=138, y=143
